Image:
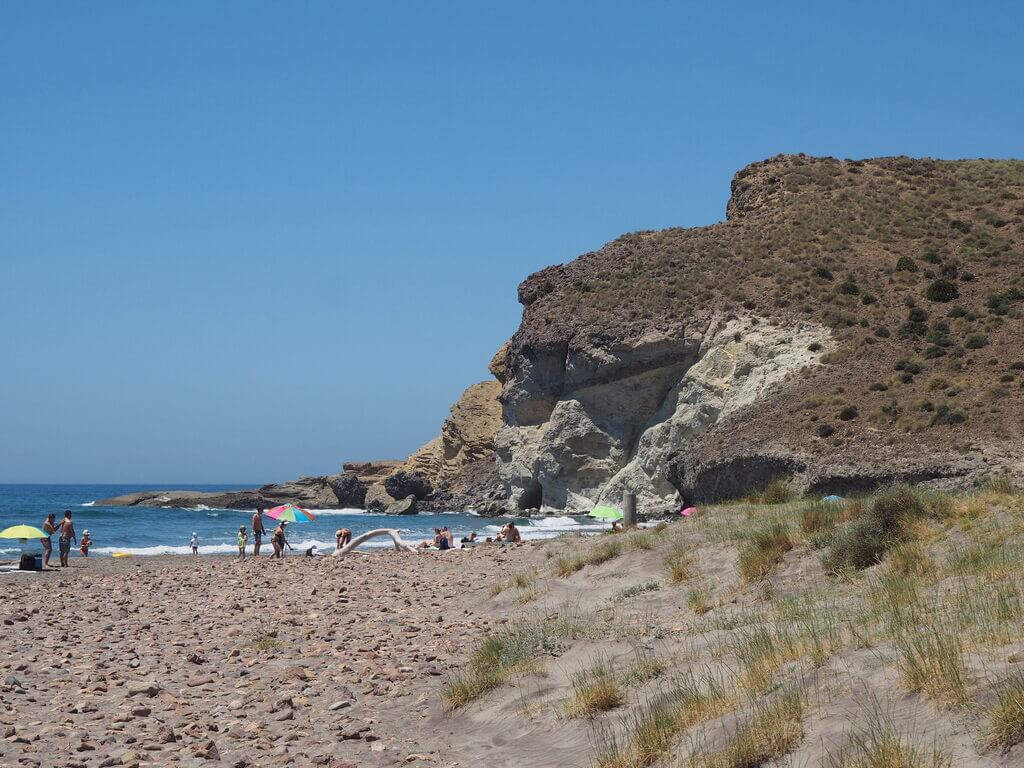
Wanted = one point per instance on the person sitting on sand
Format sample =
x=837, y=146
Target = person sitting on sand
x=440, y=541
x=257, y=531
x=449, y=537
x=471, y=539
x=67, y=535
x=278, y=540
x=342, y=536
x=50, y=526
x=86, y=542
x=510, y=534
x=243, y=539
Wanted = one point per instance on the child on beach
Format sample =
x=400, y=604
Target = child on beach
x=85, y=543
x=242, y=541
x=194, y=543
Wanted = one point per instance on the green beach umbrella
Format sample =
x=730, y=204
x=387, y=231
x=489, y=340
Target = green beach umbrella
x=605, y=513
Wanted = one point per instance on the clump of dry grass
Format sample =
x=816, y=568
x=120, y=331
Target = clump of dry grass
x=653, y=730
x=770, y=731
x=566, y=565
x=911, y=558
x=932, y=661
x=1006, y=716
x=818, y=518
x=764, y=550
x=881, y=745
x=500, y=657
x=595, y=690
x=646, y=667
x=699, y=600
x=679, y=562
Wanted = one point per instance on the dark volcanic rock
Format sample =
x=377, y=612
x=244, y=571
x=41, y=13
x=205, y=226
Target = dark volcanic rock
x=403, y=484
x=349, y=490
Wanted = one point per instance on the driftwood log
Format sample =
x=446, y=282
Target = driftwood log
x=395, y=537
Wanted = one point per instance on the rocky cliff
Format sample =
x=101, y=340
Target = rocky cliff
x=851, y=323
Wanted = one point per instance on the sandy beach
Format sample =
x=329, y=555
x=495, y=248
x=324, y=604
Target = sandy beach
x=744, y=636
x=181, y=660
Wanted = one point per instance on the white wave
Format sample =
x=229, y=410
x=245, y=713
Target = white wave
x=88, y=504
x=550, y=527
x=554, y=522
x=344, y=512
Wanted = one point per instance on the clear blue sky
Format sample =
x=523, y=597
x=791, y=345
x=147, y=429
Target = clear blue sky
x=245, y=241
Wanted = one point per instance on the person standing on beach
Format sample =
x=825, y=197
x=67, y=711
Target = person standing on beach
x=67, y=534
x=50, y=526
x=242, y=540
x=257, y=531
x=278, y=540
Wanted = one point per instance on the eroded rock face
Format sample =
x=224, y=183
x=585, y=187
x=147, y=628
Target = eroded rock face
x=459, y=463
x=638, y=406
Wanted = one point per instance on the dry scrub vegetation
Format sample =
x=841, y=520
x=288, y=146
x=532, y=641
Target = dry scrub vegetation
x=730, y=640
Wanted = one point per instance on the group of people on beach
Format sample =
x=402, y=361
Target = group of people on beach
x=443, y=538
x=66, y=530
x=278, y=539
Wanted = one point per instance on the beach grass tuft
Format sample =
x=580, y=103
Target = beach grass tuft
x=767, y=733
x=879, y=744
x=679, y=562
x=763, y=550
x=1006, y=716
x=595, y=689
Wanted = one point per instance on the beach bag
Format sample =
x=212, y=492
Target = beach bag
x=30, y=563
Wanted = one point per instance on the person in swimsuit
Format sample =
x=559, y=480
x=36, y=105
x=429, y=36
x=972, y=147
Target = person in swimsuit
x=242, y=541
x=67, y=535
x=278, y=541
x=194, y=543
x=50, y=526
x=257, y=530
x=86, y=542
x=342, y=536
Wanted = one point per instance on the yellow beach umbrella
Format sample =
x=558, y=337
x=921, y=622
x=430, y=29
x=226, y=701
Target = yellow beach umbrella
x=22, y=532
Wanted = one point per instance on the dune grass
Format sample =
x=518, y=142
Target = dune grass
x=500, y=657
x=679, y=562
x=595, y=689
x=1006, y=717
x=764, y=550
x=566, y=564
x=880, y=744
x=931, y=660
x=767, y=733
x=698, y=600
x=652, y=730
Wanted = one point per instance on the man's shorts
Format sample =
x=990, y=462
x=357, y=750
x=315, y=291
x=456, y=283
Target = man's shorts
x=65, y=546
x=257, y=536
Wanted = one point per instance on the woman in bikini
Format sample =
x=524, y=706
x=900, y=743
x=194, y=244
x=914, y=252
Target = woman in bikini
x=278, y=540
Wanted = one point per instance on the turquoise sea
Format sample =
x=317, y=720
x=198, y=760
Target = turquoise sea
x=158, y=531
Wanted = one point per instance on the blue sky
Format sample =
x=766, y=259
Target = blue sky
x=241, y=242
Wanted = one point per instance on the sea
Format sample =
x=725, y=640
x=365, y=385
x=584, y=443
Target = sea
x=161, y=531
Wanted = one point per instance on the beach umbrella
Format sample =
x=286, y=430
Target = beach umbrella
x=22, y=532
x=290, y=513
x=605, y=513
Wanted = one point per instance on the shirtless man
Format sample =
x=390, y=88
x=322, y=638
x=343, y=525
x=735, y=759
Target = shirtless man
x=257, y=530
x=50, y=526
x=67, y=534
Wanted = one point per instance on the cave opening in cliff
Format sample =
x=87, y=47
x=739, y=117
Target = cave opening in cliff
x=533, y=496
